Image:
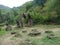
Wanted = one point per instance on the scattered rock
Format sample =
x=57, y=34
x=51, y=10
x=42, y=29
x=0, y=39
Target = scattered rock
x=13, y=33
x=24, y=31
x=51, y=36
x=18, y=35
x=34, y=33
x=8, y=28
x=48, y=31
x=34, y=29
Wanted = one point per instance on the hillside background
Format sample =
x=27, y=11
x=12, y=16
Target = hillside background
x=41, y=11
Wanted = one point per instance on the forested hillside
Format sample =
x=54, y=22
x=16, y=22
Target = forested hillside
x=41, y=11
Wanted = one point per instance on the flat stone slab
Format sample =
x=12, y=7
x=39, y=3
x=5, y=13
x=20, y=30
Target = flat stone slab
x=34, y=33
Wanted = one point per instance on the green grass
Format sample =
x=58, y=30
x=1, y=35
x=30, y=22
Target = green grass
x=2, y=32
x=46, y=41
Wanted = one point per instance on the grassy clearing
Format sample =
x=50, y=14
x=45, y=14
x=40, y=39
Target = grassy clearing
x=39, y=40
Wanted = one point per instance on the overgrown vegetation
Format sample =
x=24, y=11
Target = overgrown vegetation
x=42, y=12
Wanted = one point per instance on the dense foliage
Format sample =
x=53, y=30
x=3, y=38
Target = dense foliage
x=41, y=11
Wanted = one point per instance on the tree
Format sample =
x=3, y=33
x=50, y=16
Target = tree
x=14, y=12
x=0, y=16
x=40, y=2
x=53, y=6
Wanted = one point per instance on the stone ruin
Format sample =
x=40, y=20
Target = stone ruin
x=8, y=27
x=51, y=36
x=13, y=33
x=25, y=16
x=18, y=35
x=24, y=31
x=48, y=31
x=34, y=33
